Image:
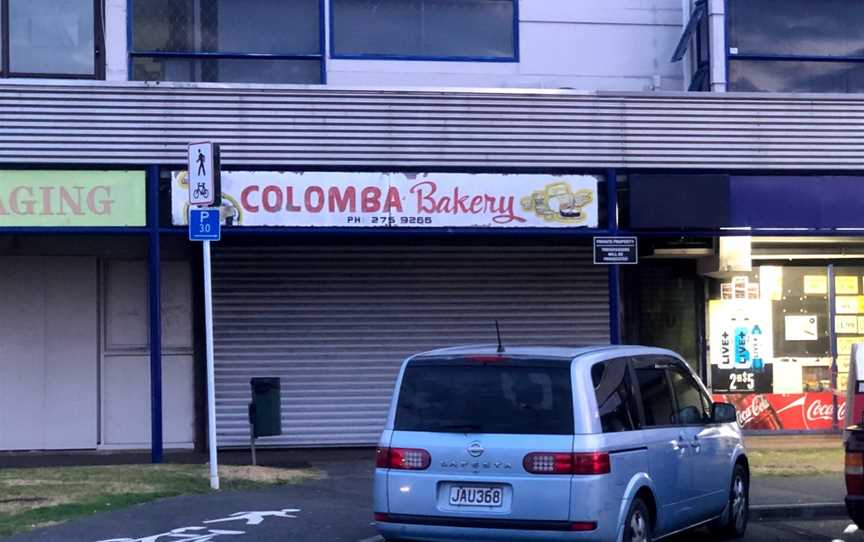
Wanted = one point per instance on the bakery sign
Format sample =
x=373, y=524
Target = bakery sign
x=439, y=200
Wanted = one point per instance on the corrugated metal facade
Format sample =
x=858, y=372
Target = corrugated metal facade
x=269, y=127
x=335, y=319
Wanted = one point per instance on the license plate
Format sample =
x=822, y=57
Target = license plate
x=476, y=496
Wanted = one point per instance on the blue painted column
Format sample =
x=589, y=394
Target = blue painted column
x=155, y=304
x=614, y=270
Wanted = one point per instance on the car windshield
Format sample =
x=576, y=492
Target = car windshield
x=486, y=398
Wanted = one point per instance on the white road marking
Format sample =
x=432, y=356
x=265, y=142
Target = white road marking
x=378, y=538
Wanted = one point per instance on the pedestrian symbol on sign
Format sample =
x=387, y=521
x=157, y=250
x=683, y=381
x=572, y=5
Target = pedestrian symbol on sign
x=205, y=189
x=201, y=169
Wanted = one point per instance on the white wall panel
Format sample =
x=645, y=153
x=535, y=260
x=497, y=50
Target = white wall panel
x=116, y=51
x=71, y=354
x=48, y=358
x=22, y=353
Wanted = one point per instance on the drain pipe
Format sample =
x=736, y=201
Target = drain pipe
x=717, y=32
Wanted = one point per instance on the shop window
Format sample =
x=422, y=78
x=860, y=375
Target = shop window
x=796, y=45
x=696, y=38
x=259, y=41
x=425, y=29
x=614, y=392
x=773, y=350
x=43, y=39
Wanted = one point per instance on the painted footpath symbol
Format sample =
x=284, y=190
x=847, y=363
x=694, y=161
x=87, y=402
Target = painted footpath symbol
x=204, y=534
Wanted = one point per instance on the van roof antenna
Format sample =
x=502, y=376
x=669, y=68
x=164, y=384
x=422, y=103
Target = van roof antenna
x=498, y=332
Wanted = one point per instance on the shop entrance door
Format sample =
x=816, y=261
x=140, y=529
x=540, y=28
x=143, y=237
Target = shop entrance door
x=663, y=303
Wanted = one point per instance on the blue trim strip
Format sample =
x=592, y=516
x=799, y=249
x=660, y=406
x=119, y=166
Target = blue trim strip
x=208, y=55
x=411, y=58
x=796, y=58
x=515, y=57
x=614, y=296
x=129, y=18
x=398, y=232
x=613, y=270
x=56, y=230
x=154, y=296
x=517, y=54
x=726, y=26
x=322, y=40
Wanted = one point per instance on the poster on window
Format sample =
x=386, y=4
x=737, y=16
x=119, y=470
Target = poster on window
x=731, y=380
x=741, y=334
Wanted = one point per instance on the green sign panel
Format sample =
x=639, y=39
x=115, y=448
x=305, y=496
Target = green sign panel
x=70, y=198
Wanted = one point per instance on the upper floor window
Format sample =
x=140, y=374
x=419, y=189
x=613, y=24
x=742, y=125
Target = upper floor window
x=482, y=30
x=695, y=38
x=248, y=41
x=796, y=45
x=50, y=38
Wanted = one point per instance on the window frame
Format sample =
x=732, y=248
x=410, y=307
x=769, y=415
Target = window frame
x=320, y=56
x=98, y=48
x=515, y=58
x=762, y=57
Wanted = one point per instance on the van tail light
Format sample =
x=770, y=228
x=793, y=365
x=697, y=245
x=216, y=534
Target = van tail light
x=381, y=517
x=583, y=526
x=403, y=459
x=591, y=463
x=382, y=458
x=854, y=471
x=567, y=463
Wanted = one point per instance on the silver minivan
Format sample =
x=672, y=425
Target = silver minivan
x=606, y=443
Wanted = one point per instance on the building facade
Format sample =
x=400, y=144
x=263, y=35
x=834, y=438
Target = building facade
x=398, y=177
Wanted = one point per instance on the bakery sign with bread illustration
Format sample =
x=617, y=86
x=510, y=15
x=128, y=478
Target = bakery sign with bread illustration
x=411, y=200
x=558, y=202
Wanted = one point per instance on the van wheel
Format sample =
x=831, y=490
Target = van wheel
x=739, y=506
x=637, y=526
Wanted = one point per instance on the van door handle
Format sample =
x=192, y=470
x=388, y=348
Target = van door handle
x=696, y=445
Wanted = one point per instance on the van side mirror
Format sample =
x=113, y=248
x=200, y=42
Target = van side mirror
x=723, y=413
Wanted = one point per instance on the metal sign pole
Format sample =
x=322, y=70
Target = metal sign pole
x=211, y=390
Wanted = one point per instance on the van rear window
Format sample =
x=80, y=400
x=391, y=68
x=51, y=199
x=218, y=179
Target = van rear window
x=486, y=398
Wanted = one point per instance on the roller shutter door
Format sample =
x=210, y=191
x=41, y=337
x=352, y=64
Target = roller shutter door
x=334, y=320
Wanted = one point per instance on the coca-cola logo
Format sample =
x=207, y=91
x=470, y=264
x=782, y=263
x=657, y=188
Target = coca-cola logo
x=824, y=411
x=759, y=405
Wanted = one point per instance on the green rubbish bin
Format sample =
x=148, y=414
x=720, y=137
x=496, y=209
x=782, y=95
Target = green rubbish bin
x=265, y=410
